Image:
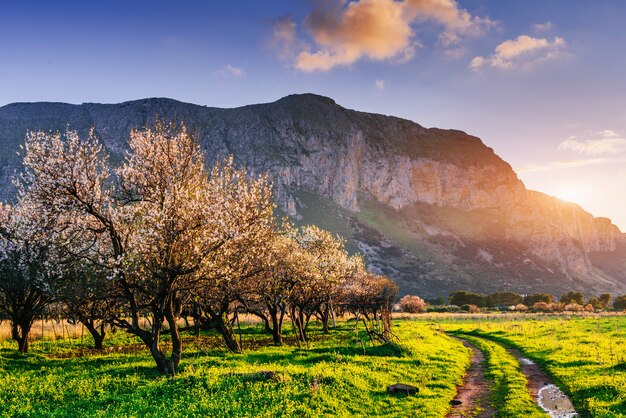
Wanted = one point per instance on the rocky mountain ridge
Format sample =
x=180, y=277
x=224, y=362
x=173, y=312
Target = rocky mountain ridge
x=435, y=209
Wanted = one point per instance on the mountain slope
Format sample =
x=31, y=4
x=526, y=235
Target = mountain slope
x=434, y=209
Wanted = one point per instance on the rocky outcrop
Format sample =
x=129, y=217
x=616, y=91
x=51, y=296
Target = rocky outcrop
x=561, y=231
x=428, y=206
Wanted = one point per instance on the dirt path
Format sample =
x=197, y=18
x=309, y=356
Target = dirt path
x=472, y=399
x=543, y=390
x=535, y=376
x=474, y=393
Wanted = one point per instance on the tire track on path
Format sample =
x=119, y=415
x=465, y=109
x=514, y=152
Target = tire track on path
x=473, y=396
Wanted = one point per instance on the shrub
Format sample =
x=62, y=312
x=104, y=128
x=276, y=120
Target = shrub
x=461, y=297
x=471, y=308
x=530, y=300
x=541, y=307
x=620, y=303
x=439, y=300
x=518, y=308
x=573, y=307
x=572, y=297
x=413, y=304
x=443, y=309
x=601, y=302
x=555, y=307
x=503, y=299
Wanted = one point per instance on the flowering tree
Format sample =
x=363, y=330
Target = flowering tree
x=28, y=277
x=330, y=267
x=85, y=298
x=229, y=273
x=285, y=266
x=370, y=297
x=413, y=304
x=156, y=223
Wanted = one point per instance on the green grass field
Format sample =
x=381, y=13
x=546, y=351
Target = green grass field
x=334, y=376
x=351, y=378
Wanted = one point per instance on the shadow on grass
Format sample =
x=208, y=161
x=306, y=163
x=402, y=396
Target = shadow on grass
x=327, y=354
x=599, y=392
x=120, y=366
x=20, y=361
x=381, y=350
x=619, y=408
x=621, y=366
x=575, y=363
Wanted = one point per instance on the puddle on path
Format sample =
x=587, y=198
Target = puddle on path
x=555, y=402
x=547, y=395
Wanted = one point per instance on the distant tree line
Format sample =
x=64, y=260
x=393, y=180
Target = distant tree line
x=461, y=300
x=159, y=237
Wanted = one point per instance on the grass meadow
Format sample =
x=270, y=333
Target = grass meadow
x=334, y=376
x=339, y=374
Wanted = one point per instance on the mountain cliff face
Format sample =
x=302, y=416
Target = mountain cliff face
x=434, y=209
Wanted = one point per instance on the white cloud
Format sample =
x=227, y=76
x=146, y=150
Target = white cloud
x=284, y=39
x=477, y=62
x=606, y=147
x=563, y=164
x=608, y=133
x=521, y=52
x=232, y=71
x=344, y=32
x=543, y=27
x=380, y=84
x=608, y=142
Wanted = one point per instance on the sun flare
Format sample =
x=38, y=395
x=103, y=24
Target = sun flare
x=572, y=193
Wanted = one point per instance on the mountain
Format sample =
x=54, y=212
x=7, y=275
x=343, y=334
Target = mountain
x=434, y=209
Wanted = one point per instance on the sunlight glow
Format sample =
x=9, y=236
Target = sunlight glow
x=572, y=193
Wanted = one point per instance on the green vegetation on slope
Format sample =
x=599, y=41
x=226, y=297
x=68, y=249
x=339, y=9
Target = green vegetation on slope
x=334, y=377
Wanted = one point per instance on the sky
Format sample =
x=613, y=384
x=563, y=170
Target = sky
x=542, y=82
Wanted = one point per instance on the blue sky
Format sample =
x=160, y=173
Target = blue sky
x=540, y=81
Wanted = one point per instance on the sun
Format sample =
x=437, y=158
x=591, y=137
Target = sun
x=572, y=193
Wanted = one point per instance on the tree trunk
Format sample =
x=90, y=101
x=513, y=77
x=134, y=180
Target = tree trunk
x=20, y=331
x=386, y=319
x=221, y=323
x=22, y=344
x=98, y=337
x=228, y=335
x=332, y=313
x=302, y=325
x=277, y=329
x=297, y=317
x=307, y=320
x=177, y=342
x=325, y=317
x=165, y=365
